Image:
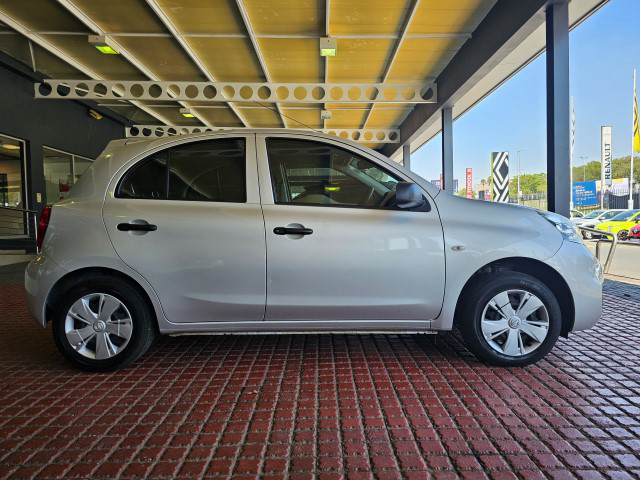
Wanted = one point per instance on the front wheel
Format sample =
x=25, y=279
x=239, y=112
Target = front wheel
x=509, y=319
x=623, y=235
x=102, y=325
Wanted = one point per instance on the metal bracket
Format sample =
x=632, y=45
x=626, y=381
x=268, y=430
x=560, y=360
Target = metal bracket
x=365, y=135
x=238, y=91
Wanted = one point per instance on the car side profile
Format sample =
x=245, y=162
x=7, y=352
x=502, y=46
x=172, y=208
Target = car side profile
x=256, y=231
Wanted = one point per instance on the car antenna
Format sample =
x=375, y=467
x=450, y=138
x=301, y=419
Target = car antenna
x=290, y=118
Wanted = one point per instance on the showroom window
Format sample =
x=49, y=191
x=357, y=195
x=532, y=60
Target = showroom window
x=311, y=173
x=211, y=171
x=12, y=153
x=61, y=171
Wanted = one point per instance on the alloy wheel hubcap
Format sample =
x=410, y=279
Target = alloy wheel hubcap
x=98, y=326
x=515, y=322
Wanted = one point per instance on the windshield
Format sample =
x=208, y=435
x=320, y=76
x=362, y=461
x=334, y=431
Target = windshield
x=610, y=214
x=595, y=214
x=621, y=217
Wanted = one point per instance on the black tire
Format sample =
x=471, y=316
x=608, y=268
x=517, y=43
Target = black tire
x=623, y=235
x=477, y=296
x=144, y=327
x=587, y=235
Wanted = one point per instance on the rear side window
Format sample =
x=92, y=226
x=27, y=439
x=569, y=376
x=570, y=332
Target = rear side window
x=212, y=170
x=148, y=179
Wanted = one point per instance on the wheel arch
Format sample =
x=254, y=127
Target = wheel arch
x=540, y=270
x=75, y=277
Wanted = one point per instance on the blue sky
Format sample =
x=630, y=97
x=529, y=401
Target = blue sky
x=603, y=52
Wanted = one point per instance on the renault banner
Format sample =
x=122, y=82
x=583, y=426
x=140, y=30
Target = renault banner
x=500, y=176
x=606, y=155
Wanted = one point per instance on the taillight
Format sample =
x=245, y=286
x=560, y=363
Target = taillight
x=45, y=216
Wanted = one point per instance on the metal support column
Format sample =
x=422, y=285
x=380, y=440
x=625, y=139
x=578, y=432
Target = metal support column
x=447, y=150
x=406, y=156
x=558, y=115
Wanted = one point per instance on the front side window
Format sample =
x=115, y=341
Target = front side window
x=212, y=170
x=311, y=173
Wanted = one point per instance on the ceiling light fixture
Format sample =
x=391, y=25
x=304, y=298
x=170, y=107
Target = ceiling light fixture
x=9, y=146
x=186, y=113
x=103, y=43
x=328, y=47
x=325, y=114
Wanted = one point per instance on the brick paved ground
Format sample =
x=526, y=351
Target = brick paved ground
x=329, y=407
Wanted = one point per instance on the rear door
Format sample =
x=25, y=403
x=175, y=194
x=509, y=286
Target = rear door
x=354, y=260
x=188, y=219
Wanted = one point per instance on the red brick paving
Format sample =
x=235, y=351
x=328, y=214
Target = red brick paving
x=320, y=406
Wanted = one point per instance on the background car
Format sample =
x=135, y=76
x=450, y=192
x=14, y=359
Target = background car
x=620, y=224
x=634, y=234
x=576, y=214
x=594, y=218
x=287, y=231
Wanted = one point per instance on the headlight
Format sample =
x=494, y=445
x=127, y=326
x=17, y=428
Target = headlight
x=568, y=230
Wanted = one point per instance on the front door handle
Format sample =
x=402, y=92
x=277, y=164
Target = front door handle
x=292, y=231
x=137, y=227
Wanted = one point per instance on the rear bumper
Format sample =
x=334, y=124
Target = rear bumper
x=39, y=277
x=583, y=273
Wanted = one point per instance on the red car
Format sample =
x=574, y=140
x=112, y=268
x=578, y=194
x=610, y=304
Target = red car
x=634, y=234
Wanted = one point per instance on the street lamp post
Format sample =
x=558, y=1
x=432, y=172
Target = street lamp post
x=519, y=192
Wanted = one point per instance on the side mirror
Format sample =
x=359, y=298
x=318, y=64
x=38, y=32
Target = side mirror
x=408, y=195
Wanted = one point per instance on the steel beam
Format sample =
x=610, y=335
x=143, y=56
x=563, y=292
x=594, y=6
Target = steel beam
x=396, y=49
x=558, y=115
x=506, y=25
x=68, y=59
x=166, y=21
x=447, y=150
x=406, y=156
x=91, y=25
x=237, y=91
x=380, y=135
x=258, y=52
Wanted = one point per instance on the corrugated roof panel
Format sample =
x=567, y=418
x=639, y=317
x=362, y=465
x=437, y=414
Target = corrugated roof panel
x=346, y=118
x=292, y=60
x=113, y=16
x=449, y=16
x=203, y=16
x=42, y=15
x=220, y=117
x=261, y=117
x=228, y=59
x=382, y=17
x=164, y=57
x=422, y=58
x=113, y=67
x=359, y=60
x=386, y=118
x=304, y=17
x=302, y=118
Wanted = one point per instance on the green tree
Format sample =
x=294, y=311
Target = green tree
x=621, y=167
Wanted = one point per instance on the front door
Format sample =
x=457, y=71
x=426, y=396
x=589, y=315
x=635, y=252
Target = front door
x=336, y=248
x=188, y=219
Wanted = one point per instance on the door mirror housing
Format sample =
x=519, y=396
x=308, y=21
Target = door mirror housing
x=409, y=195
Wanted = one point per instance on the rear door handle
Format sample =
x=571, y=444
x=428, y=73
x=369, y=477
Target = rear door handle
x=292, y=231
x=137, y=227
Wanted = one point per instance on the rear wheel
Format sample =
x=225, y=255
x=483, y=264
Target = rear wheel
x=587, y=235
x=509, y=319
x=623, y=235
x=104, y=324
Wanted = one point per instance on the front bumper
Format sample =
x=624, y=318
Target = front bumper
x=583, y=273
x=39, y=277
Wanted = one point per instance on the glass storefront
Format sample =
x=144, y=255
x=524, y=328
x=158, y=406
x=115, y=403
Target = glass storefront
x=11, y=167
x=61, y=171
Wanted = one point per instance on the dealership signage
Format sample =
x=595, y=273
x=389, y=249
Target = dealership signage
x=500, y=176
x=469, y=183
x=606, y=155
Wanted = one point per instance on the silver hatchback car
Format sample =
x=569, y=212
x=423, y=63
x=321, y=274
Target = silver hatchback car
x=256, y=231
